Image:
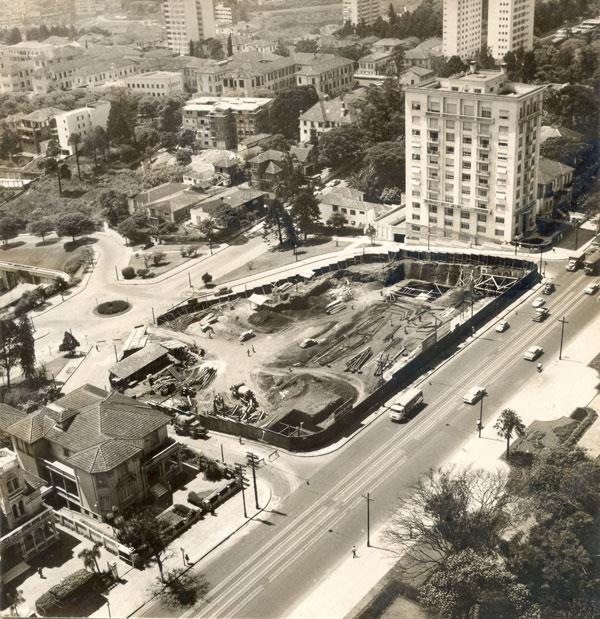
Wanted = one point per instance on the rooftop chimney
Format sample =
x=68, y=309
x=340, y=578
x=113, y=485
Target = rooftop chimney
x=472, y=67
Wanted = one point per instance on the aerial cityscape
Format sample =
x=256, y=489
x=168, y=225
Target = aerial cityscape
x=300, y=309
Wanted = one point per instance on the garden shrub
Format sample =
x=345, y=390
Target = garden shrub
x=112, y=307
x=128, y=272
x=74, y=263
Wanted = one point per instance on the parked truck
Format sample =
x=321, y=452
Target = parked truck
x=591, y=264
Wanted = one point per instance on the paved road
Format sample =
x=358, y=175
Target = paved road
x=316, y=525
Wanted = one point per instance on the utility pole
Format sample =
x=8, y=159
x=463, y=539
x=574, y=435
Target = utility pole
x=369, y=500
x=563, y=322
x=253, y=461
x=190, y=281
x=480, y=422
x=541, y=260
x=240, y=471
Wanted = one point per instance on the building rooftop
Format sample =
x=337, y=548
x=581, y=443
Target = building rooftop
x=388, y=42
x=234, y=197
x=238, y=104
x=548, y=170
x=314, y=64
x=426, y=49
x=160, y=192
x=139, y=360
x=153, y=75
x=376, y=56
x=340, y=110
x=102, y=432
x=421, y=71
x=269, y=155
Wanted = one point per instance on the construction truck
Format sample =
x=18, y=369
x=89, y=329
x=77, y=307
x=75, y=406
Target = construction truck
x=591, y=264
x=189, y=425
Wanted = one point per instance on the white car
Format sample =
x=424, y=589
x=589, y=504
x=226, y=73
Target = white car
x=591, y=289
x=533, y=352
x=473, y=395
x=502, y=326
x=539, y=302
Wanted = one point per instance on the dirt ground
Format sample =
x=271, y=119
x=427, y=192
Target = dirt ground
x=351, y=316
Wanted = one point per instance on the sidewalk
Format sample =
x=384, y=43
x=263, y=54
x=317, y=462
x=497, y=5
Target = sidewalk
x=549, y=396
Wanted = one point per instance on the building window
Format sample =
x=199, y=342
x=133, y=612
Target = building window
x=13, y=485
x=464, y=225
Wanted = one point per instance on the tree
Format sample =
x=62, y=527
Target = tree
x=452, y=66
x=570, y=151
x=183, y=156
x=142, y=531
x=26, y=347
x=509, y=423
x=74, y=223
x=10, y=346
x=136, y=227
x=14, y=598
x=64, y=172
x=272, y=222
x=309, y=46
x=158, y=257
x=229, y=45
x=337, y=221
x=228, y=219
x=41, y=227
x=90, y=557
x=382, y=113
x=371, y=232
x=122, y=118
x=170, y=116
x=50, y=165
x=114, y=206
x=75, y=141
x=529, y=67
x=69, y=344
x=388, y=162
x=9, y=228
x=207, y=228
x=207, y=278
x=287, y=107
x=340, y=146
x=181, y=587
x=574, y=107
x=102, y=140
x=215, y=49
x=10, y=142
x=305, y=211
x=281, y=49
x=475, y=584
x=484, y=58
x=450, y=511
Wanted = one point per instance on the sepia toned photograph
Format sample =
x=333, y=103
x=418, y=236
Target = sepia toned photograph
x=300, y=309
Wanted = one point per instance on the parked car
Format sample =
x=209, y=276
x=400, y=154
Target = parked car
x=473, y=395
x=591, y=289
x=224, y=290
x=502, y=326
x=539, y=302
x=247, y=335
x=533, y=352
x=308, y=342
x=548, y=288
x=540, y=314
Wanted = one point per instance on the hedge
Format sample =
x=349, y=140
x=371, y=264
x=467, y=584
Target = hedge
x=50, y=602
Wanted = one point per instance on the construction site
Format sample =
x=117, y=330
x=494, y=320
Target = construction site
x=295, y=356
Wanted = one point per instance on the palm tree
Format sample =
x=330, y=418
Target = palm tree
x=90, y=557
x=337, y=221
x=75, y=141
x=508, y=423
x=207, y=227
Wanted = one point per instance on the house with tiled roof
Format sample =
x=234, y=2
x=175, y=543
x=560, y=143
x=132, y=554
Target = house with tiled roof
x=237, y=198
x=167, y=202
x=423, y=55
x=268, y=169
x=97, y=450
x=349, y=203
x=554, y=188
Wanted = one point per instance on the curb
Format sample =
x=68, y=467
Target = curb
x=211, y=549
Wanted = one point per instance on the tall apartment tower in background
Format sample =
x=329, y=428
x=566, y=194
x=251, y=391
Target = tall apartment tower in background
x=472, y=150
x=356, y=10
x=188, y=20
x=462, y=28
x=510, y=26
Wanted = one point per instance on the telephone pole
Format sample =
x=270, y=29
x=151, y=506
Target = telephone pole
x=480, y=422
x=240, y=471
x=563, y=322
x=369, y=500
x=253, y=461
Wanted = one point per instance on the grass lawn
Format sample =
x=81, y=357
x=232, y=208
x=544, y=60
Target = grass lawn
x=173, y=259
x=53, y=254
x=276, y=258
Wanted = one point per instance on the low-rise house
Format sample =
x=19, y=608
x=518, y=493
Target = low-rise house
x=325, y=115
x=156, y=83
x=269, y=169
x=423, y=55
x=554, y=189
x=388, y=45
x=237, y=198
x=26, y=524
x=329, y=74
x=302, y=156
x=98, y=451
x=351, y=204
x=376, y=67
x=167, y=202
x=415, y=76
x=35, y=129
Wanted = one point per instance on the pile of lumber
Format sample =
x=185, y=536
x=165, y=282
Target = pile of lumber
x=355, y=363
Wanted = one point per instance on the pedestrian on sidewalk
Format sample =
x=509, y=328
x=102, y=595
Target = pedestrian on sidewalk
x=187, y=559
x=40, y=571
x=253, y=348
x=248, y=351
x=354, y=553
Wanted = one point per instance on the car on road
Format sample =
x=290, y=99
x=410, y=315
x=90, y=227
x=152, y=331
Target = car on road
x=308, y=342
x=540, y=314
x=333, y=182
x=548, y=288
x=247, y=335
x=591, y=289
x=539, y=302
x=533, y=352
x=223, y=290
x=502, y=326
x=473, y=395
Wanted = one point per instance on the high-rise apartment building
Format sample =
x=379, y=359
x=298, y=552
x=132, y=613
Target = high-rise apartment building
x=188, y=20
x=354, y=11
x=510, y=26
x=472, y=149
x=462, y=28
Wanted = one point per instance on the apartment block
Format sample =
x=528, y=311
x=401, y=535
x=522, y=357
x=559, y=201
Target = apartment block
x=83, y=121
x=472, y=150
x=156, y=83
x=223, y=122
x=462, y=28
x=510, y=26
x=187, y=20
x=27, y=525
x=223, y=14
x=354, y=11
x=329, y=74
x=250, y=73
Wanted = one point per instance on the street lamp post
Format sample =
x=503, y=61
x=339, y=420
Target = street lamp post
x=369, y=500
x=480, y=422
x=563, y=322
